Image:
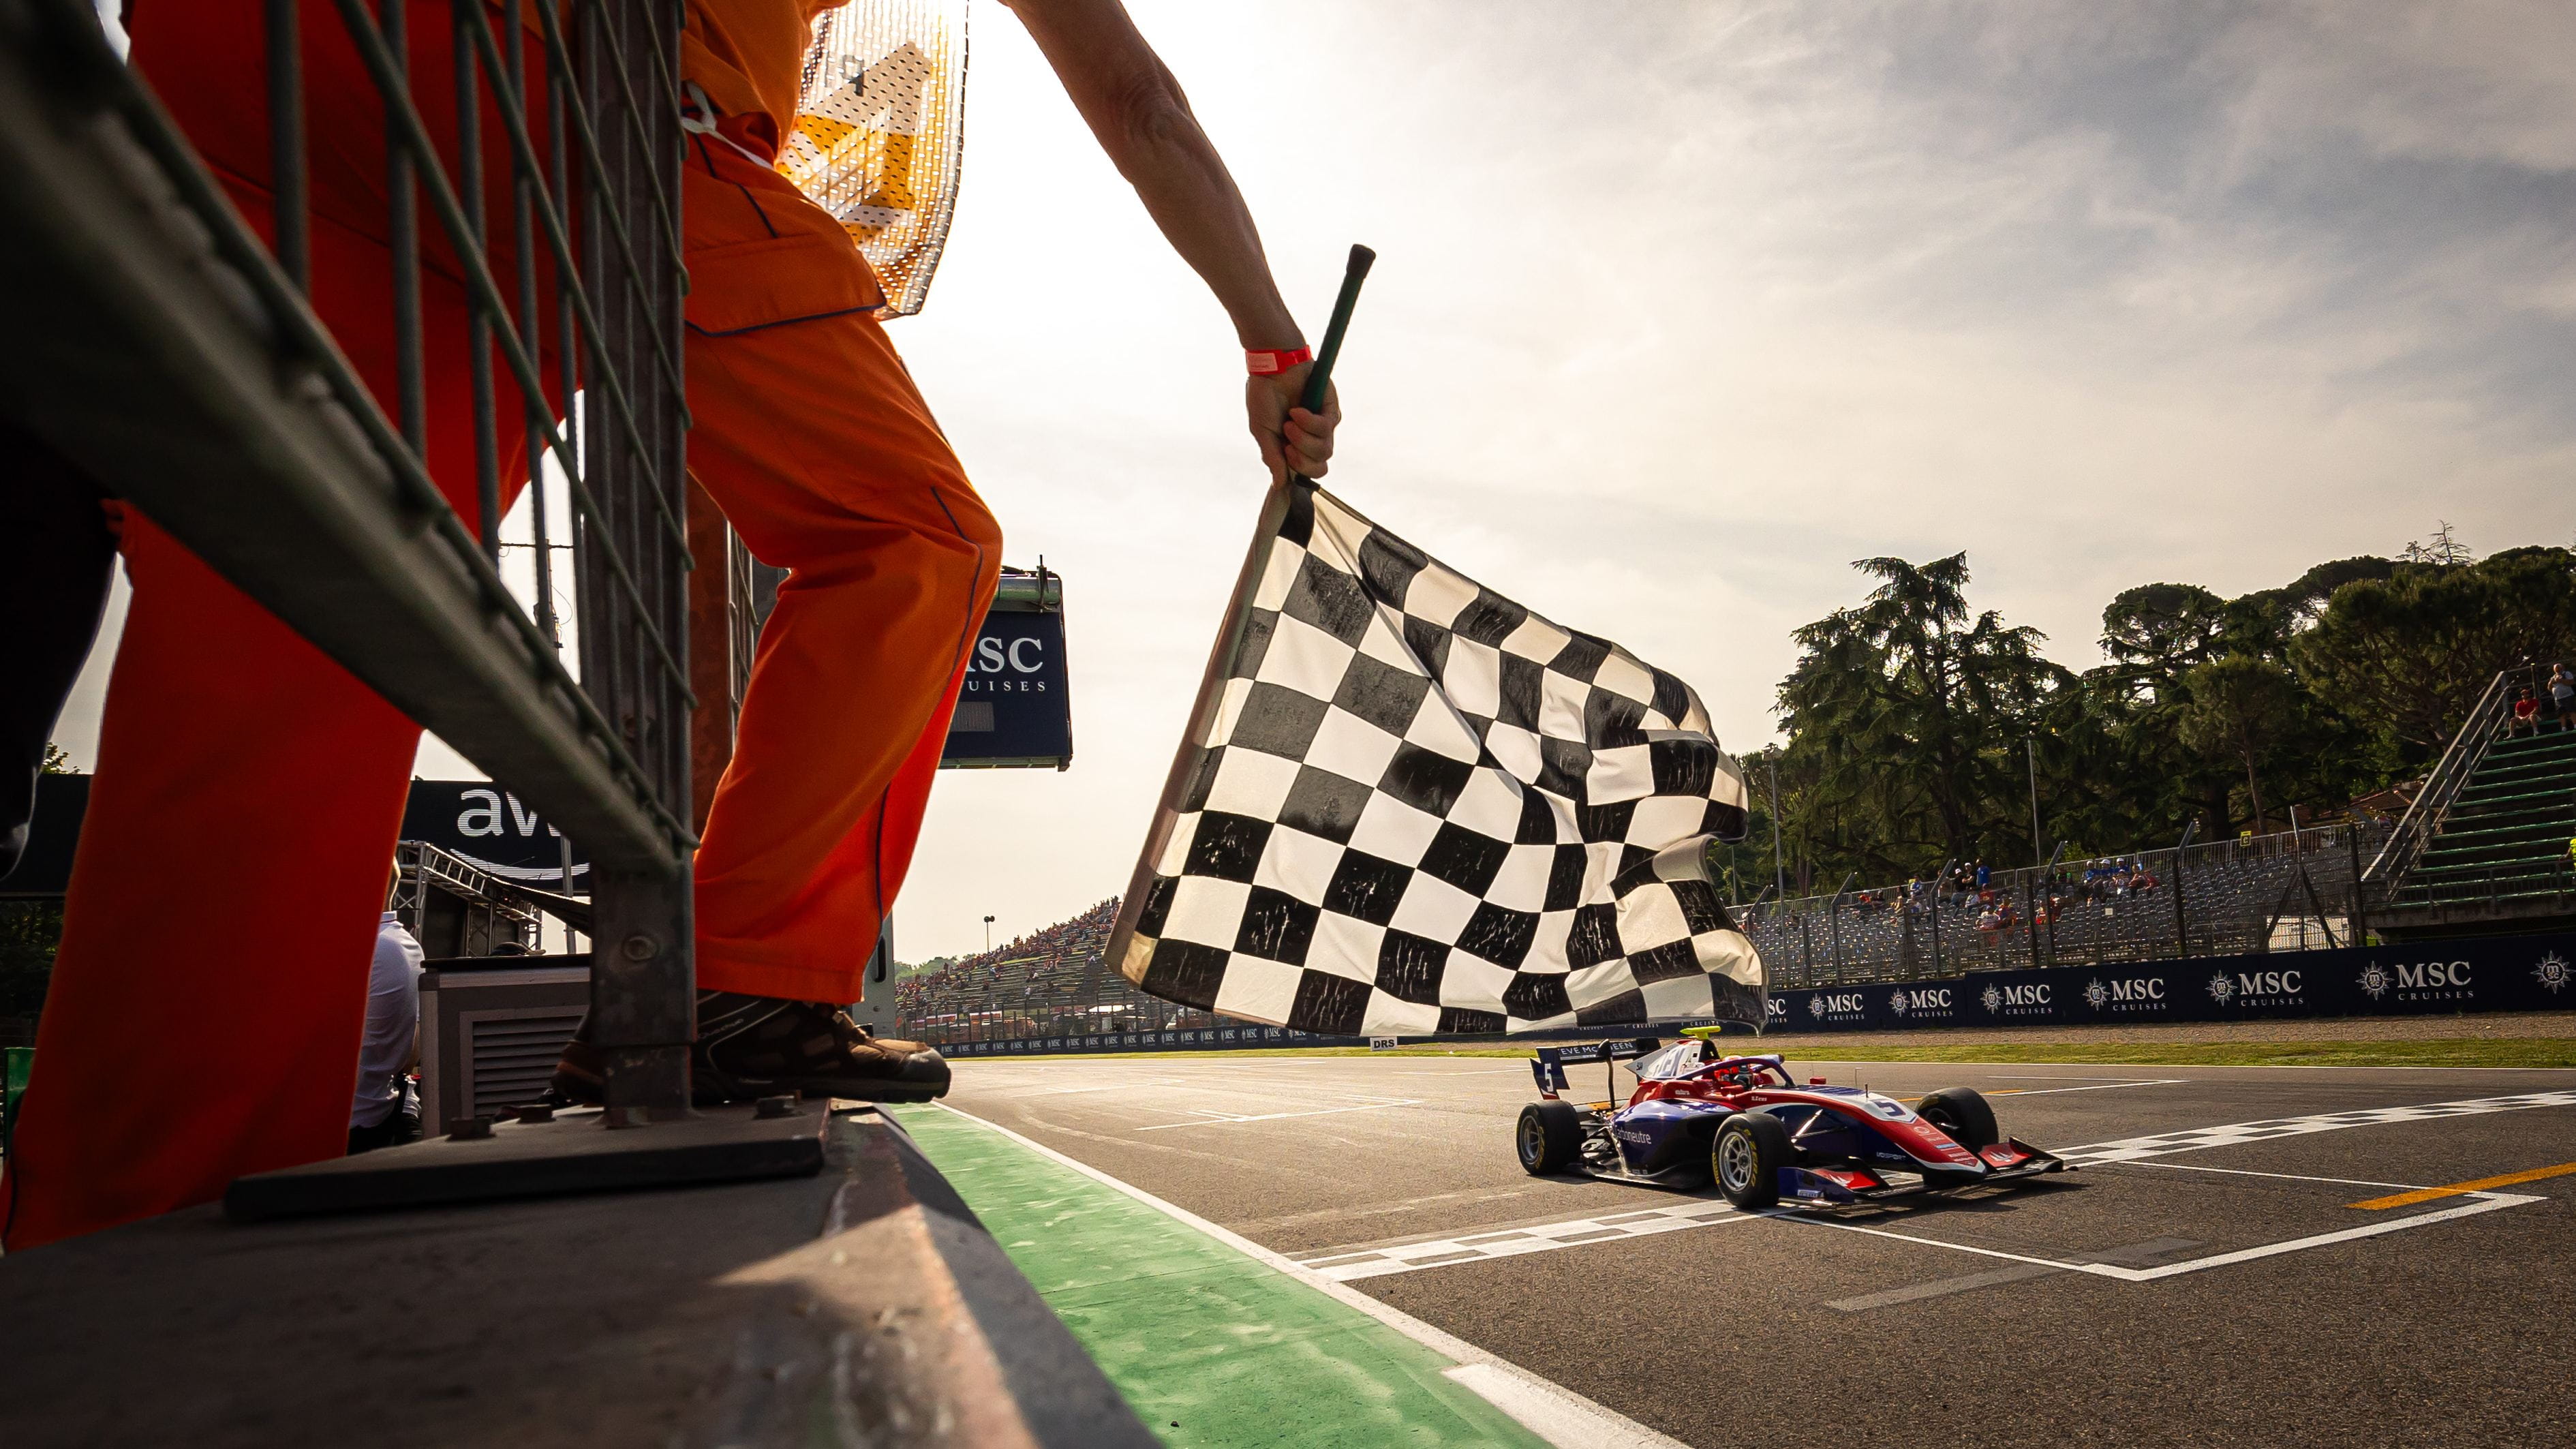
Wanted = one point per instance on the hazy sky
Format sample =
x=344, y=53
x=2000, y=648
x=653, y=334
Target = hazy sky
x=1681, y=307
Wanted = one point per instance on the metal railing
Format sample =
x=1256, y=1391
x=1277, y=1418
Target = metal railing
x=2485, y=724
x=131, y=277
x=2290, y=891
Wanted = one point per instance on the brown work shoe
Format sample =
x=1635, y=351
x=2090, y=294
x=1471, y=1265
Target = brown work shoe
x=759, y=1046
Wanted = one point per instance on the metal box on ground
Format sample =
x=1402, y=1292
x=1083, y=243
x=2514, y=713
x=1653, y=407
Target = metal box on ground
x=491, y=1028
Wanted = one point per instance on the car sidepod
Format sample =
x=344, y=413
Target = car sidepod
x=1666, y=1135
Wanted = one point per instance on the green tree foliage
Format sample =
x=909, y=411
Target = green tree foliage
x=2242, y=708
x=2415, y=649
x=1906, y=715
x=29, y=932
x=1906, y=719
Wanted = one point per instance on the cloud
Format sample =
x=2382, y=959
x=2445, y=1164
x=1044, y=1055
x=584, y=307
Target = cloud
x=1681, y=307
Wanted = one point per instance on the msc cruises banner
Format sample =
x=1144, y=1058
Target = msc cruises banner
x=2424, y=978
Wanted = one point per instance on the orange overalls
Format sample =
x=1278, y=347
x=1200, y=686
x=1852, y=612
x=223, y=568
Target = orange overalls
x=206, y=1005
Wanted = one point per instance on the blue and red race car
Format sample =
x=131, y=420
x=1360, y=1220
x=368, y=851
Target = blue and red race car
x=1698, y=1114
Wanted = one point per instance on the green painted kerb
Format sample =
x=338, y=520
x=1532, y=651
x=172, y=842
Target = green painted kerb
x=1213, y=1348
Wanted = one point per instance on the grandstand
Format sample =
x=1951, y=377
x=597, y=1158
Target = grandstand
x=1053, y=982
x=2291, y=891
x=2486, y=843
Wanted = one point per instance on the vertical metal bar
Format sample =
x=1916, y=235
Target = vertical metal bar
x=523, y=238
x=402, y=222
x=478, y=323
x=2182, y=921
x=286, y=168
x=2030, y=914
x=642, y=978
x=2359, y=929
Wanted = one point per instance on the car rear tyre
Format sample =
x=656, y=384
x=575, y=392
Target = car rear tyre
x=1746, y=1159
x=1964, y=1115
x=1550, y=1138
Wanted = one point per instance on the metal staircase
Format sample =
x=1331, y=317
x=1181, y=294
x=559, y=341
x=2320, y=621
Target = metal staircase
x=2487, y=843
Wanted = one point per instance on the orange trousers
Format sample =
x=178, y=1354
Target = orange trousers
x=206, y=1004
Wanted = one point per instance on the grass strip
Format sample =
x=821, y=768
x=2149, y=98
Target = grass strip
x=2445, y=1052
x=1213, y=1349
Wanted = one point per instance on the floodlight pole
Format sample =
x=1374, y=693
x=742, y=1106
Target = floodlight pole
x=1779, y=864
x=2030, y=752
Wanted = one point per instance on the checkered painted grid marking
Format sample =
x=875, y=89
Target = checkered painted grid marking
x=1421, y=807
x=1346, y=1265
x=1512, y=1242
x=2132, y=1149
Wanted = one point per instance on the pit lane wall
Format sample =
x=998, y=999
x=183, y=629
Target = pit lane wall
x=2423, y=978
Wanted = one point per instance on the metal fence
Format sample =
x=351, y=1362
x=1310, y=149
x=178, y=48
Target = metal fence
x=132, y=277
x=2291, y=891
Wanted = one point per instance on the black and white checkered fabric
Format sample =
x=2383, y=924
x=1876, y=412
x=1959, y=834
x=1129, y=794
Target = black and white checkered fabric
x=1420, y=807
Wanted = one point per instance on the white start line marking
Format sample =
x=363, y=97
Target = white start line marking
x=1343, y=1265
x=1212, y=1118
x=2096, y=1087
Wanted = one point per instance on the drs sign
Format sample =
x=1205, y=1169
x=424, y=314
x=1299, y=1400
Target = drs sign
x=1012, y=709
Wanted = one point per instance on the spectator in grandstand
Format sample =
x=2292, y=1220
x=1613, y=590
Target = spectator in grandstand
x=386, y=1110
x=2562, y=696
x=2526, y=714
x=1981, y=875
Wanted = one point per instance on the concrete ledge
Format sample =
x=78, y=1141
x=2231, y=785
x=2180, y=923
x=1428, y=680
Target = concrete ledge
x=863, y=1305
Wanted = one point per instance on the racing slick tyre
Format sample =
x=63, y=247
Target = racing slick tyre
x=1964, y=1115
x=1550, y=1138
x=1750, y=1150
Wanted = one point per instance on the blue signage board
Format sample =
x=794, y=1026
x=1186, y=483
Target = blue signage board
x=1013, y=709
x=2410, y=978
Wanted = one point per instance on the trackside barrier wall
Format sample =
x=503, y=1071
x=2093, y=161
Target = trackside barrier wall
x=2438, y=978
x=2423, y=978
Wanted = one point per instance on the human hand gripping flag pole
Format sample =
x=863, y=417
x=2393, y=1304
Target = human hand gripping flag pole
x=1406, y=804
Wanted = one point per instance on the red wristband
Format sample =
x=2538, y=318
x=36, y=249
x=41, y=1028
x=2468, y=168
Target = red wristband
x=1271, y=361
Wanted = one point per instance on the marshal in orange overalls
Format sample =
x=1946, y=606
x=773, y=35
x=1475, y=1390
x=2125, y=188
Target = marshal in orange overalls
x=206, y=1004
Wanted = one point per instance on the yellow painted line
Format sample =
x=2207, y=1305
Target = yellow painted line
x=2457, y=1189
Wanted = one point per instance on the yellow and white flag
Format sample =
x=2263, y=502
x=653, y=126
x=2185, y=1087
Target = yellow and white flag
x=880, y=129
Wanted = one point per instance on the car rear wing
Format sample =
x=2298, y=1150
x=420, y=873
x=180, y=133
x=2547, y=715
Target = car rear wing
x=1548, y=1067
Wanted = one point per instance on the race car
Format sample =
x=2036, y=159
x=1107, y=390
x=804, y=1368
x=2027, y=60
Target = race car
x=1697, y=1113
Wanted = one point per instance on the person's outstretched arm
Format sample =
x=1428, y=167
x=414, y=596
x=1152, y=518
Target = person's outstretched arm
x=1142, y=120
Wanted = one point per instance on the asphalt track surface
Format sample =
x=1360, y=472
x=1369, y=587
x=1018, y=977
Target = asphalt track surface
x=2247, y=1286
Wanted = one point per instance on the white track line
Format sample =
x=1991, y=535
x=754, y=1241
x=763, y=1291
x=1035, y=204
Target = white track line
x=2099, y=1087
x=2494, y=1201
x=2285, y=1176
x=1558, y=1415
x=1228, y=1119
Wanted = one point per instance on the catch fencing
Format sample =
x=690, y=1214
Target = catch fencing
x=2296, y=890
x=529, y=157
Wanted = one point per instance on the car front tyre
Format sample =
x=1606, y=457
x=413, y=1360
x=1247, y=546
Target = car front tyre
x=1549, y=1138
x=1962, y=1113
x=1746, y=1158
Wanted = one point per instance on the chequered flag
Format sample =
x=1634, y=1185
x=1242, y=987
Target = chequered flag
x=1408, y=804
